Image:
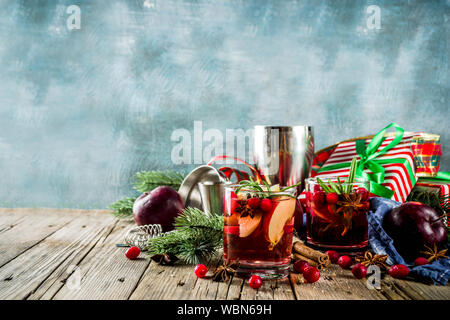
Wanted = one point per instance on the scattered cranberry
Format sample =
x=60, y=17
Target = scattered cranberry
x=399, y=271
x=311, y=274
x=133, y=253
x=332, y=198
x=421, y=261
x=266, y=205
x=317, y=188
x=345, y=262
x=200, y=270
x=300, y=266
x=253, y=202
x=363, y=192
x=359, y=271
x=308, y=196
x=319, y=198
x=255, y=282
x=334, y=255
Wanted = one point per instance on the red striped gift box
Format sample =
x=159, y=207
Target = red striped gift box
x=398, y=177
x=443, y=187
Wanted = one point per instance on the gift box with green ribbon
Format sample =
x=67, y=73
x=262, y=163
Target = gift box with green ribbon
x=434, y=192
x=386, y=160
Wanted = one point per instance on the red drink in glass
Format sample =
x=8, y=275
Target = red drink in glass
x=337, y=220
x=258, y=231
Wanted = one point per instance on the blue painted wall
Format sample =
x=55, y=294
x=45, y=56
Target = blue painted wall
x=82, y=110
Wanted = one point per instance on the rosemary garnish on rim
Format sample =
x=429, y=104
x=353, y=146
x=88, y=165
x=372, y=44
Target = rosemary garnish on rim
x=339, y=187
x=254, y=186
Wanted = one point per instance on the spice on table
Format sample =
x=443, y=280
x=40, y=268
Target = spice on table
x=225, y=271
x=166, y=259
x=368, y=259
x=314, y=258
x=433, y=254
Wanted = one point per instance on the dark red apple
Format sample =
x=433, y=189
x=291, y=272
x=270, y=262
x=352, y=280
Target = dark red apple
x=160, y=206
x=413, y=225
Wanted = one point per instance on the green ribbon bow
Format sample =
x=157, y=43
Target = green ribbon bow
x=368, y=160
x=442, y=176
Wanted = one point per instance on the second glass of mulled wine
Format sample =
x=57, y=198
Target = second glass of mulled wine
x=336, y=213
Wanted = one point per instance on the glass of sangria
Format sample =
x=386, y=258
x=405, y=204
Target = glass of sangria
x=258, y=229
x=336, y=214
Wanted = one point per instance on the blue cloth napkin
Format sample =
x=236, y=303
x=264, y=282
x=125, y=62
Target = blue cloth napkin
x=381, y=243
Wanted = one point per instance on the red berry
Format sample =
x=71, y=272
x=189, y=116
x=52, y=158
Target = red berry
x=308, y=196
x=319, y=198
x=317, y=188
x=345, y=262
x=334, y=255
x=255, y=282
x=253, y=202
x=399, y=271
x=421, y=261
x=359, y=271
x=311, y=274
x=200, y=270
x=266, y=205
x=133, y=253
x=332, y=198
x=300, y=266
x=363, y=192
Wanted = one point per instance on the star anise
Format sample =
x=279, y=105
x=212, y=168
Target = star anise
x=244, y=209
x=370, y=259
x=433, y=254
x=166, y=259
x=225, y=271
x=352, y=201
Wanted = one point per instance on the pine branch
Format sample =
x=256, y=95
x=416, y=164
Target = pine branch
x=148, y=180
x=123, y=208
x=196, y=237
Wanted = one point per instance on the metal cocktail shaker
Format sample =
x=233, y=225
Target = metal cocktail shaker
x=284, y=154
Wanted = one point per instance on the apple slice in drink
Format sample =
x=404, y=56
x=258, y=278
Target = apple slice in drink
x=248, y=224
x=275, y=221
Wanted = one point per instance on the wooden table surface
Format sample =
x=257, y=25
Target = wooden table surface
x=72, y=254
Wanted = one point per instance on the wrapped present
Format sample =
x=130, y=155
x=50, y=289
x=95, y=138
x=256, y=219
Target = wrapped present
x=434, y=192
x=427, y=153
x=386, y=160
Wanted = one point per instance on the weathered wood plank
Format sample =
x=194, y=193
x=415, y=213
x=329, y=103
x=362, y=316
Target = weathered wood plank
x=27, y=272
x=32, y=227
x=270, y=290
x=45, y=251
x=334, y=284
x=167, y=282
x=420, y=291
x=105, y=272
x=58, y=278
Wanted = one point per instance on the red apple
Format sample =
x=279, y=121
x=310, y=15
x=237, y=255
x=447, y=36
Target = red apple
x=413, y=225
x=160, y=206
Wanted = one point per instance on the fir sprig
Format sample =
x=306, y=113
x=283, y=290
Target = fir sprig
x=148, y=180
x=196, y=237
x=123, y=208
x=145, y=181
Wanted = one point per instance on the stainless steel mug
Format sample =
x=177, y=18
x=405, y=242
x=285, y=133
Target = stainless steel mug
x=284, y=154
x=212, y=196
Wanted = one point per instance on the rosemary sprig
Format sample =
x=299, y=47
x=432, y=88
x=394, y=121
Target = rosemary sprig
x=338, y=187
x=323, y=185
x=351, y=176
x=254, y=186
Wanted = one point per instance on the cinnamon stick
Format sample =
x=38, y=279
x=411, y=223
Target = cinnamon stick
x=312, y=263
x=316, y=257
